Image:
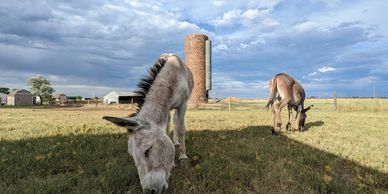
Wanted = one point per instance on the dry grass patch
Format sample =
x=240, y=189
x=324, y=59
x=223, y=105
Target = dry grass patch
x=75, y=151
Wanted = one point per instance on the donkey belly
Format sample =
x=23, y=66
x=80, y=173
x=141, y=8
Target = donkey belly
x=178, y=99
x=181, y=93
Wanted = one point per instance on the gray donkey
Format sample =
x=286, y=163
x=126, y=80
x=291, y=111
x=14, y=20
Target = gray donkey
x=284, y=90
x=168, y=86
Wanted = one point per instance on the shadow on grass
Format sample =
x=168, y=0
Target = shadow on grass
x=313, y=124
x=250, y=160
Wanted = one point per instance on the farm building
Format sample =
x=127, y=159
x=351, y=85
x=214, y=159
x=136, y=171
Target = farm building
x=37, y=100
x=3, y=98
x=61, y=98
x=121, y=97
x=20, y=97
x=86, y=98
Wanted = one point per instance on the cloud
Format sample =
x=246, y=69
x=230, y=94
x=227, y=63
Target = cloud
x=296, y=52
x=109, y=44
x=326, y=69
x=305, y=26
x=221, y=47
x=368, y=80
x=86, y=48
x=218, y=3
x=270, y=22
x=229, y=18
x=238, y=16
x=224, y=85
x=250, y=14
x=381, y=69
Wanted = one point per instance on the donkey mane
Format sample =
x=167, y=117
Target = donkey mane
x=144, y=86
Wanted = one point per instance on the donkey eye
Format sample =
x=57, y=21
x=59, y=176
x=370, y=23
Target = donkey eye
x=147, y=152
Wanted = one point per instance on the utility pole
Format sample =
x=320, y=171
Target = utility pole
x=335, y=100
x=374, y=90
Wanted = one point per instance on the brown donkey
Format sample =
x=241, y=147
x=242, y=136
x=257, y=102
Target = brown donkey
x=284, y=90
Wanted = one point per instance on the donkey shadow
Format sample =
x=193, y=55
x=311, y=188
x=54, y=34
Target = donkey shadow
x=313, y=124
x=307, y=126
x=247, y=160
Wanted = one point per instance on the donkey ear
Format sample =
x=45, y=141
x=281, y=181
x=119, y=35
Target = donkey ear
x=308, y=108
x=126, y=122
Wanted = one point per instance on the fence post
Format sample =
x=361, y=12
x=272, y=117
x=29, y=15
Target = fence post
x=335, y=100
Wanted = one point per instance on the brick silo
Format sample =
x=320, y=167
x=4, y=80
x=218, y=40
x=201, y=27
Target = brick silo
x=197, y=48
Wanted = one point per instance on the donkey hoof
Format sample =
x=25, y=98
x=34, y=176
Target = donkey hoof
x=288, y=126
x=183, y=162
x=275, y=131
x=183, y=157
x=173, y=165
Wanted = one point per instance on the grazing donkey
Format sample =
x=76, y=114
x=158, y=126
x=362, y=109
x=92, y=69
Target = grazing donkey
x=168, y=86
x=284, y=90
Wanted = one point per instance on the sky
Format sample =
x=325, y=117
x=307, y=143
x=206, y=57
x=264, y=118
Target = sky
x=91, y=47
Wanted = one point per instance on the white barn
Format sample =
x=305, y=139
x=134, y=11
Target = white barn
x=121, y=97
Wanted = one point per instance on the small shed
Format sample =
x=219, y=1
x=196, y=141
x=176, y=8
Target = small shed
x=3, y=98
x=61, y=98
x=122, y=97
x=20, y=97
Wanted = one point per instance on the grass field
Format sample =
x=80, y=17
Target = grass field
x=72, y=150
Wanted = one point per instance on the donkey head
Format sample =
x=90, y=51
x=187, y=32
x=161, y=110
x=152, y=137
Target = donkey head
x=152, y=151
x=301, y=118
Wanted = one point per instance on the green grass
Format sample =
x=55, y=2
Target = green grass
x=72, y=150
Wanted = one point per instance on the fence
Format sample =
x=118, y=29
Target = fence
x=320, y=104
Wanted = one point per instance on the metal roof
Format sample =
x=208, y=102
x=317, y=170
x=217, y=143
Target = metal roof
x=58, y=95
x=127, y=93
x=22, y=91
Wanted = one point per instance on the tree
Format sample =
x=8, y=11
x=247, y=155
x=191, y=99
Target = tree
x=4, y=90
x=41, y=87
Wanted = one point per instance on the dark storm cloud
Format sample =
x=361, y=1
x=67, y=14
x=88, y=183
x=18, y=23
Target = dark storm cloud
x=100, y=43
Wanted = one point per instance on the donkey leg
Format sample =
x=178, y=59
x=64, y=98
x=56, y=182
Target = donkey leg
x=277, y=118
x=288, y=126
x=176, y=127
x=179, y=131
x=278, y=108
x=274, y=116
x=168, y=123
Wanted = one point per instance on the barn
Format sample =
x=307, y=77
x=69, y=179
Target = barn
x=20, y=97
x=3, y=98
x=121, y=97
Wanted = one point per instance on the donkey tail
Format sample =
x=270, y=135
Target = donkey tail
x=272, y=92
